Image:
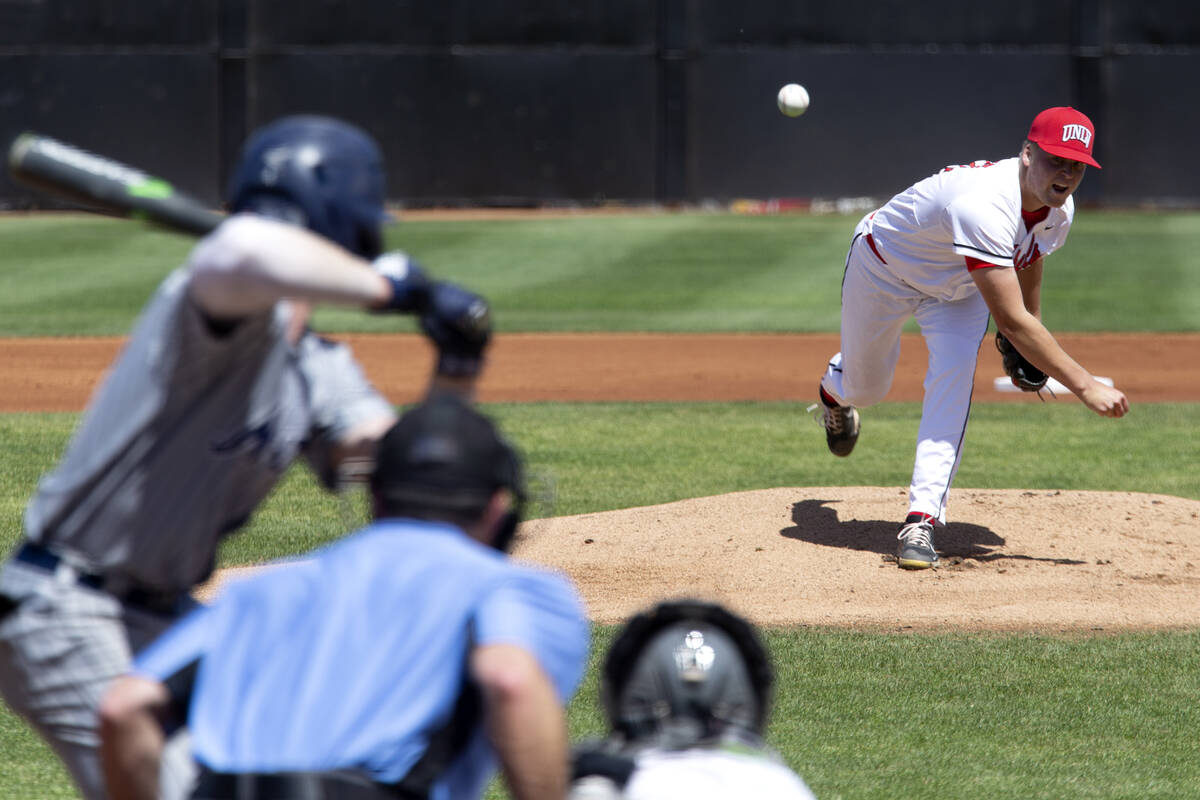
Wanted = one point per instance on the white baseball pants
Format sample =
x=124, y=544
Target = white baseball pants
x=875, y=306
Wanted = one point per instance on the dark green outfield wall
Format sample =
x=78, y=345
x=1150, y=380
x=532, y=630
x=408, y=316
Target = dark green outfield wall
x=589, y=101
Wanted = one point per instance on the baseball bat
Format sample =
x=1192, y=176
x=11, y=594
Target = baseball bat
x=105, y=185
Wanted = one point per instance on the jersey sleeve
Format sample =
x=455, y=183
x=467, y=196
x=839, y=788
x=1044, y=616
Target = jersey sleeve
x=982, y=230
x=231, y=337
x=540, y=612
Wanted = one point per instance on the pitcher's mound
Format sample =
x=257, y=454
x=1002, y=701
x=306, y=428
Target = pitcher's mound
x=1011, y=559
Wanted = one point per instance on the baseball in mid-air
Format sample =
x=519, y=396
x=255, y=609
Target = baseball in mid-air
x=793, y=100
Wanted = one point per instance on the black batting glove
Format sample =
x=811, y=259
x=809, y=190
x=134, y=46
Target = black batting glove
x=410, y=285
x=459, y=323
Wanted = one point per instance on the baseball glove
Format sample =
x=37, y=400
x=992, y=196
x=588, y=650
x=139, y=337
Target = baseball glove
x=1025, y=376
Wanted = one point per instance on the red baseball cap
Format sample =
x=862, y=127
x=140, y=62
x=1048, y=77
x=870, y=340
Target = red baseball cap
x=1062, y=131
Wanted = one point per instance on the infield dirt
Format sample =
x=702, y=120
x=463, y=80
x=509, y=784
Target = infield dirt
x=1012, y=560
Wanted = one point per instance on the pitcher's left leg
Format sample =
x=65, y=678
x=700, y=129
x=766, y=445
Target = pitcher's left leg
x=953, y=333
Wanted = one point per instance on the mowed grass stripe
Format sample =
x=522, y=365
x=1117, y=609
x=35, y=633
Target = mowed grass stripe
x=1120, y=271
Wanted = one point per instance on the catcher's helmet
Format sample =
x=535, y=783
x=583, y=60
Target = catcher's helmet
x=445, y=460
x=686, y=671
x=318, y=172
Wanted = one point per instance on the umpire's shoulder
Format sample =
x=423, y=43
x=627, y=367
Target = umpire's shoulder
x=537, y=601
x=542, y=583
x=542, y=611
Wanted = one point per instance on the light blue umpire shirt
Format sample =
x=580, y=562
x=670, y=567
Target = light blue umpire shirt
x=352, y=657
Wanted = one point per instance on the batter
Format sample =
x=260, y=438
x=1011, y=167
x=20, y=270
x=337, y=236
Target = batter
x=220, y=387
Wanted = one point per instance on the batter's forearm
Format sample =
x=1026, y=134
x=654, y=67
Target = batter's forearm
x=250, y=263
x=463, y=387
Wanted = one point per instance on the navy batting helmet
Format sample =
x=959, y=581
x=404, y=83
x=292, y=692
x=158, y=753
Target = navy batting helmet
x=318, y=172
x=687, y=671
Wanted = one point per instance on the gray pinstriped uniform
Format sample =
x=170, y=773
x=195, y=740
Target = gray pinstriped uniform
x=187, y=436
x=188, y=432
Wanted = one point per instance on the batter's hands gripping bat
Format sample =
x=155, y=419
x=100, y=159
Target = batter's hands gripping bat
x=104, y=185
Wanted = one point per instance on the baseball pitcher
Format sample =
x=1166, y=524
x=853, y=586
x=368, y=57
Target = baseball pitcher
x=954, y=248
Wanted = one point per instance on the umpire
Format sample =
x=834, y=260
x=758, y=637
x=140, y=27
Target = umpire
x=396, y=663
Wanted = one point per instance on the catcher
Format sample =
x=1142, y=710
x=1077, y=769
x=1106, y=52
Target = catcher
x=687, y=690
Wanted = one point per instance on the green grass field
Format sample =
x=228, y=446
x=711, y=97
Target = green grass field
x=668, y=272
x=858, y=715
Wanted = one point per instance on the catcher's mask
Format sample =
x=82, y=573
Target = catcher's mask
x=444, y=460
x=686, y=671
x=317, y=172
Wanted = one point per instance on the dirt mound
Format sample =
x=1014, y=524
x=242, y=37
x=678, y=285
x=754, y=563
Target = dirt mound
x=1011, y=559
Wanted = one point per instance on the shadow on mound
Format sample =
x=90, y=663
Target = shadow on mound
x=816, y=521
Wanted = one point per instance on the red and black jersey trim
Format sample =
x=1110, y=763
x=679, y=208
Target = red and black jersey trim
x=978, y=263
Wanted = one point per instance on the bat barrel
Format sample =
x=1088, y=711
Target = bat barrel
x=104, y=184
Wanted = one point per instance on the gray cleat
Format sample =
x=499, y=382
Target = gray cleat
x=916, y=546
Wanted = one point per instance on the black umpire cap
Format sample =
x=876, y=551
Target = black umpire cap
x=443, y=456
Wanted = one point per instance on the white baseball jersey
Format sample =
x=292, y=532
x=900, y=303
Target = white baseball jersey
x=189, y=431
x=925, y=234
x=702, y=773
